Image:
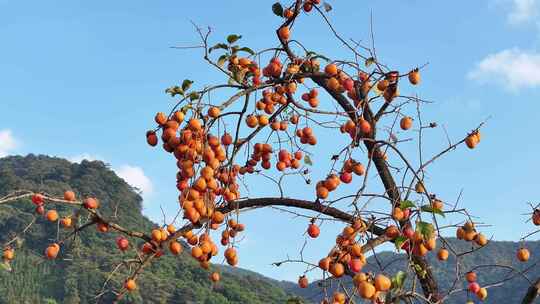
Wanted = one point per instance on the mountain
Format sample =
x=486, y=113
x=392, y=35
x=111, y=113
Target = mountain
x=495, y=253
x=82, y=267
x=79, y=272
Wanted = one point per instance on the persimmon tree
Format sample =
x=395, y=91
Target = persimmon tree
x=283, y=103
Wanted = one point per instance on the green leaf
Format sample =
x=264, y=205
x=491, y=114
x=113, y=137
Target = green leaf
x=5, y=265
x=370, y=61
x=247, y=50
x=428, y=208
x=222, y=59
x=194, y=96
x=233, y=38
x=417, y=268
x=186, y=84
x=406, y=204
x=174, y=90
x=399, y=279
x=399, y=241
x=277, y=9
x=307, y=160
x=178, y=90
x=218, y=46
x=185, y=108
x=426, y=229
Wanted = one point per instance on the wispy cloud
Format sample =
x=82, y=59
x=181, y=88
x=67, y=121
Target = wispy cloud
x=133, y=175
x=523, y=11
x=85, y=156
x=136, y=177
x=7, y=142
x=512, y=69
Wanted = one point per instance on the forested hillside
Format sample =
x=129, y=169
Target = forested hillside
x=79, y=273
x=495, y=253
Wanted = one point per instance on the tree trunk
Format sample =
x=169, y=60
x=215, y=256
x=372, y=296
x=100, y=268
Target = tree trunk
x=532, y=293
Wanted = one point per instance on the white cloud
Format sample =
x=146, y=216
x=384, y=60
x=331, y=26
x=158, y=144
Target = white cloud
x=135, y=177
x=512, y=68
x=7, y=142
x=523, y=11
x=81, y=157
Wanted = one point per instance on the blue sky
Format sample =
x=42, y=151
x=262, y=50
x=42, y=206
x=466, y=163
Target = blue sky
x=83, y=80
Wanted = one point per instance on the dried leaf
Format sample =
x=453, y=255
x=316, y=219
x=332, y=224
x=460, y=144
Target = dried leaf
x=221, y=60
x=327, y=7
x=240, y=75
x=307, y=160
x=194, y=96
x=370, y=61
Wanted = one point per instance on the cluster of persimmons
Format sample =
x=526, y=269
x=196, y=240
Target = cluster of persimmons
x=208, y=173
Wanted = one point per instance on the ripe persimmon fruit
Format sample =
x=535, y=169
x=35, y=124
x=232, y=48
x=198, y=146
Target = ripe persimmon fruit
x=51, y=252
x=523, y=254
x=214, y=112
x=322, y=192
x=91, y=203
x=331, y=69
x=382, y=282
x=175, y=247
x=160, y=118
x=366, y=290
x=313, y=230
x=69, y=196
x=8, y=254
x=51, y=215
x=130, y=284
x=471, y=276
x=251, y=121
x=406, y=123
x=284, y=33
x=324, y=263
x=303, y=281
x=337, y=269
x=65, y=222
x=214, y=277
x=414, y=77
x=442, y=254
x=151, y=138
x=38, y=199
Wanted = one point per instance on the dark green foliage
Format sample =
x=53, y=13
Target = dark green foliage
x=77, y=276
